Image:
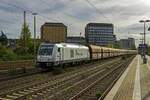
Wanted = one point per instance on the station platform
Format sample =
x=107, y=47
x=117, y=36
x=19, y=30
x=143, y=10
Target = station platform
x=134, y=84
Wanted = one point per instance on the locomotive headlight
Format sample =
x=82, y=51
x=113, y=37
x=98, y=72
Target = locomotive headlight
x=38, y=58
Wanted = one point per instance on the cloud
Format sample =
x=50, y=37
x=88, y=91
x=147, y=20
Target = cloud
x=124, y=14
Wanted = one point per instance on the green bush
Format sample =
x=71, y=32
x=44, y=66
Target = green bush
x=22, y=55
x=31, y=48
x=6, y=54
x=25, y=57
x=19, y=51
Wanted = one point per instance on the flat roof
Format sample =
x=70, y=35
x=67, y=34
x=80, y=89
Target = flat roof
x=100, y=24
x=54, y=24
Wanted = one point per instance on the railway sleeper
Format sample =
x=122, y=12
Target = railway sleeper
x=22, y=92
x=67, y=88
x=39, y=93
x=44, y=92
x=11, y=97
x=33, y=90
x=34, y=96
x=29, y=91
x=17, y=94
x=4, y=98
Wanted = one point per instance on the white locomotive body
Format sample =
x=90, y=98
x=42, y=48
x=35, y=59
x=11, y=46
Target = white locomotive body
x=50, y=55
x=61, y=53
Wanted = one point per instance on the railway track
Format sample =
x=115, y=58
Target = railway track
x=21, y=72
x=98, y=88
x=5, y=65
x=86, y=88
x=40, y=77
x=51, y=85
x=9, y=75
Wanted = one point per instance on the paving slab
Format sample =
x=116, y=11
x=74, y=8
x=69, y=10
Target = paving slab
x=124, y=87
x=145, y=80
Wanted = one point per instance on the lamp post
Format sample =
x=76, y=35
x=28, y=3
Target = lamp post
x=34, y=14
x=142, y=39
x=144, y=48
x=144, y=21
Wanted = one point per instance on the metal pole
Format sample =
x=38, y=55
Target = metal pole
x=144, y=33
x=24, y=31
x=144, y=59
x=143, y=39
x=144, y=45
x=80, y=38
x=35, y=36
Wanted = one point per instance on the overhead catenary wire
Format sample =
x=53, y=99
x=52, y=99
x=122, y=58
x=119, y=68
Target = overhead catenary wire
x=53, y=19
x=10, y=11
x=13, y=5
x=7, y=21
x=27, y=10
x=97, y=10
x=66, y=14
x=101, y=13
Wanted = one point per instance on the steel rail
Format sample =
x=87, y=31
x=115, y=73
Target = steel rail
x=30, y=90
x=75, y=97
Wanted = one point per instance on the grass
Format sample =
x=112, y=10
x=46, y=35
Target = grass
x=98, y=94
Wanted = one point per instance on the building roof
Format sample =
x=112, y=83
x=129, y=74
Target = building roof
x=76, y=40
x=54, y=24
x=100, y=24
x=75, y=37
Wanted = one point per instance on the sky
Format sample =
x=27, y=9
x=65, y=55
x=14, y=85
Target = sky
x=123, y=14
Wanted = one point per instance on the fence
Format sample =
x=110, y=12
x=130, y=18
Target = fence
x=5, y=65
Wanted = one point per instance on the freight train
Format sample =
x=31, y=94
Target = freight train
x=50, y=55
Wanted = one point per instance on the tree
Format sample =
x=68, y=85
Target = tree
x=6, y=54
x=133, y=47
x=25, y=38
x=117, y=45
x=110, y=45
x=3, y=39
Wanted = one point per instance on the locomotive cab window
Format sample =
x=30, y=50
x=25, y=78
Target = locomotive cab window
x=45, y=50
x=58, y=49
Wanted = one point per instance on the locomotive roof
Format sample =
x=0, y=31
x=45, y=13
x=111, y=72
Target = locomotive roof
x=69, y=45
